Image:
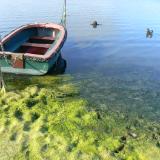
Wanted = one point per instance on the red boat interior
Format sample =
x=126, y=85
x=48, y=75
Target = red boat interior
x=36, y=40
x=36, y=45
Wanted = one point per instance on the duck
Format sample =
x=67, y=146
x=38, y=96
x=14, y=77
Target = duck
x=149, y=33
x=95, y=24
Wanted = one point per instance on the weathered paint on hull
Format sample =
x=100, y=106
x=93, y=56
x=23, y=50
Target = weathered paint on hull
x=32, y=67
x=32, y=49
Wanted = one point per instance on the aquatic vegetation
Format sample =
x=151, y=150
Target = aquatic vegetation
x=39, y=122
x=128, y=93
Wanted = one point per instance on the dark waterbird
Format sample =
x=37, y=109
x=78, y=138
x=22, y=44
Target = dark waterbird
x=149, y=33
x=95, y=24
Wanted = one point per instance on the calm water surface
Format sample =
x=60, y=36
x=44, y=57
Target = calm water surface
x=116, y=67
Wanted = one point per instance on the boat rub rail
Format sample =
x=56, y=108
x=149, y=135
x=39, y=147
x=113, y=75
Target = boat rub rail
x=51, y=52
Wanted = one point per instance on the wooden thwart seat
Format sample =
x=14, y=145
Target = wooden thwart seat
x=36, y=45
x=43, y=38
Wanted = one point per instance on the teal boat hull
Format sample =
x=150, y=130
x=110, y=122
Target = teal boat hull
x=32, y=67
x=32, y=49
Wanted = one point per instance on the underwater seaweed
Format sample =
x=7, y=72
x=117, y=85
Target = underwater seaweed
x=39, y=122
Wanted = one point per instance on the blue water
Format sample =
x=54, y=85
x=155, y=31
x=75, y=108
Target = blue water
x=115, y=65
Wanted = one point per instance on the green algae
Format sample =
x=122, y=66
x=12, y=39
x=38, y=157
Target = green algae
x=48, y=119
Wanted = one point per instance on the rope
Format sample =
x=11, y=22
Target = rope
x=64, y=14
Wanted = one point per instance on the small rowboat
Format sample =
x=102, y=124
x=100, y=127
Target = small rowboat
x=32, y=49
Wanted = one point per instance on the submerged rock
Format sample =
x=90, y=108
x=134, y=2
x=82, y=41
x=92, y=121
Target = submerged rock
x=158, y=144
x=119, y=149
x=155, y=136
x=133, y=135
x=123, y=139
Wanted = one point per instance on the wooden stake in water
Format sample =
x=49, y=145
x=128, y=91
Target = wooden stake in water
x=2, y=84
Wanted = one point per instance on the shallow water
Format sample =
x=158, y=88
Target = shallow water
x=116, y=67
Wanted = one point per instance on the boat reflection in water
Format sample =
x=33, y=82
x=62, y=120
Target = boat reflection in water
x=22, y=81
x=59, y=67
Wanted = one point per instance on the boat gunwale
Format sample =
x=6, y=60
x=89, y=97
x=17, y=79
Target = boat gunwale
x=49, y=53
